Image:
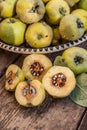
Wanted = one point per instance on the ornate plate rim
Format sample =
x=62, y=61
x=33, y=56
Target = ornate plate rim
x=22, y=50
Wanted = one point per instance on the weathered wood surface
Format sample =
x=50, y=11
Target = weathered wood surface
x=83, y=125
x=6, y=58
x=53, y=114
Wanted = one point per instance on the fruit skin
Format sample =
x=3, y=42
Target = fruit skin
x=73, y=29
x=83, y=4
x=56, y=91
x=12, y=31
x=56, y=35
x=30, y=100
x=30, y=11
x=0, y=19
x=43, y=60
x=72, y=2
x=17, y=76
x=60, y=61
x=76, y=59
x=45, y=1
x=7, y=8
x=39, y=38
x=82, y=14
x=55, y=10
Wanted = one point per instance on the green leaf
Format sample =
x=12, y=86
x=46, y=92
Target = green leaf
x=82, y=80
x=79, y=94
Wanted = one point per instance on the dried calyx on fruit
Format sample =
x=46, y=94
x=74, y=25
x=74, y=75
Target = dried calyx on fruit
x=78, y=60
x=59, y=81
x=35, y=66
x=79, y=23
x=13, y=76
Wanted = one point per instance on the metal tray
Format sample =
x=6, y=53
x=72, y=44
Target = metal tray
x=50, y=49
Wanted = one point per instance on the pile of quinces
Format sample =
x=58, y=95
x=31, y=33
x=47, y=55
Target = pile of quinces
x=38, y=76
x=42, y=23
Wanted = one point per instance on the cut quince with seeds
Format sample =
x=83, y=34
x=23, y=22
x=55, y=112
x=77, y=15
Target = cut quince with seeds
x=35, y=66
x=59, y=81
x=76, y=59
x=30, y=94
x=13, y=76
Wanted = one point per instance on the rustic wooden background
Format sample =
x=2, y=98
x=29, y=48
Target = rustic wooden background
x=53, y=114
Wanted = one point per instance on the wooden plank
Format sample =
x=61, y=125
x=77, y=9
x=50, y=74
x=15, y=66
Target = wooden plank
x=83, y=125
x=6, y=58
x=57, y=114
x=52, y=114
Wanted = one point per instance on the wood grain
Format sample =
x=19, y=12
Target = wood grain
x=83, y=125
x=6, y=58
x=53, y=114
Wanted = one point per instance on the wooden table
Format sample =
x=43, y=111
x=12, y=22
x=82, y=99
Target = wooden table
x=53, y=114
